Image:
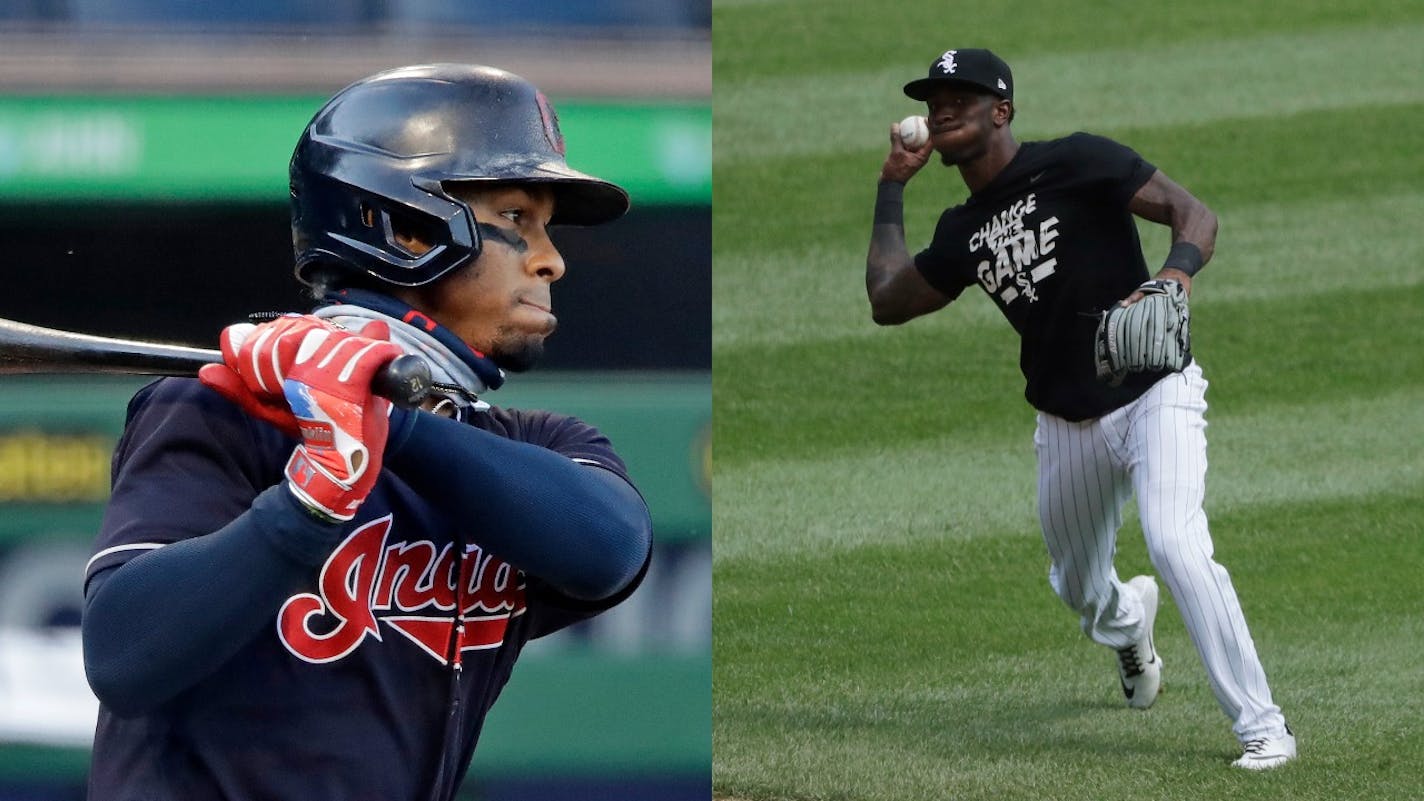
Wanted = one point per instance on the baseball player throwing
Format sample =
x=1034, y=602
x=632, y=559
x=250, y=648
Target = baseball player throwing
x=299, y=592
x=1048, y=233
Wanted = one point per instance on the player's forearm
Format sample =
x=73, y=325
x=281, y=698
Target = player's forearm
x=1192, y=222
x=581, y=529
x=162, y=622
x=897, y=291
x=1193, y=241
x=888, y=256
x=1165, y=202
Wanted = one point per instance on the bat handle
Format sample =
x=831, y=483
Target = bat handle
x=30, y=349
x=405, y=381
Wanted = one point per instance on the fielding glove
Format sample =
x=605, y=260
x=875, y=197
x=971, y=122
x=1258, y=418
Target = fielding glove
x=1151, y=335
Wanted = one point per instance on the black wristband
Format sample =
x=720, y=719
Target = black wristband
x=1184, y=256
x=890, y=203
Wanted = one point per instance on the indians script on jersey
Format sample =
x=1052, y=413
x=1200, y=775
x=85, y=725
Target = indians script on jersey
x=1016, y=251
x=414, y=585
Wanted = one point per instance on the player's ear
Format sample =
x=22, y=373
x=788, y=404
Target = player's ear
x=1003, y=112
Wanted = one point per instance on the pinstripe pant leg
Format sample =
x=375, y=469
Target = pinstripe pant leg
x=1082, y=486
x=1168, y=468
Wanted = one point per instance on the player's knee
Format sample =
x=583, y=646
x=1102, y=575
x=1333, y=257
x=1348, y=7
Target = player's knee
x=1174, y=546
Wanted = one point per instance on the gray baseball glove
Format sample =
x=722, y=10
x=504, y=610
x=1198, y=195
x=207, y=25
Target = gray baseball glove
x=1150, y=335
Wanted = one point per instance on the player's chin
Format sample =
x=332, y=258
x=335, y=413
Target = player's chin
x=518, y=353
x=952, y=156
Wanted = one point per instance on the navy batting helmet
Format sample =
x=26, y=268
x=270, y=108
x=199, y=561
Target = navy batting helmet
x=382, y=148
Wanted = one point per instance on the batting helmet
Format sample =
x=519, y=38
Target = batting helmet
x=382, y=148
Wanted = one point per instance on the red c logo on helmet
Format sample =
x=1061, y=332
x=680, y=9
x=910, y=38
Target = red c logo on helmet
x=551, y=124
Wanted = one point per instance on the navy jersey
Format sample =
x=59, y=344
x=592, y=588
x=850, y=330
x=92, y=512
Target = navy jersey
x=1050, y=239
x=362, y=687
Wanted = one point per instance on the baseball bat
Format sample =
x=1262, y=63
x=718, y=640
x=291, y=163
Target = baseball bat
x=26, y=348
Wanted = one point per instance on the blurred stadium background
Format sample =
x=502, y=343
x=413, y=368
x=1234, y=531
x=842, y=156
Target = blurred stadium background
x=143, y=150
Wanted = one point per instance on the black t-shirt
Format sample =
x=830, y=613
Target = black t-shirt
x=1050, y=239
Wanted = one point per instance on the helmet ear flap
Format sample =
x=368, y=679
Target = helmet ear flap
x=458, y=227
x=374, y=232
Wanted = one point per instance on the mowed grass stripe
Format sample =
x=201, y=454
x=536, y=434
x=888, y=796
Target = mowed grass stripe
x=944, y=490
x=1054, y=727
x=838, y=38
x=916, y=386
x=1286, y=583
x=1324, y=157
x=816, y=293
x=825, y=112
x=972, y=681
x=1339, y=346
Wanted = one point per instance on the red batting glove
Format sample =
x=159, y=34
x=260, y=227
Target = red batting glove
x=226, y=382
x=343, y=424
x=256, y=359
x=262, y=354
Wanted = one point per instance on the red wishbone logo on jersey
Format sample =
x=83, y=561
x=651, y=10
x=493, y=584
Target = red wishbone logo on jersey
x=365, y=575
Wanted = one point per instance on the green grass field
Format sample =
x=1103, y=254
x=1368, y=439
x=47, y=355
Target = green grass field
x=883, y=627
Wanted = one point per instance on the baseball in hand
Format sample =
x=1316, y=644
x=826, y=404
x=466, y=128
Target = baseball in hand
x=914, y=132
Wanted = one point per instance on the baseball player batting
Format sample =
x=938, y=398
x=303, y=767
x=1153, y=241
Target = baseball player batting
x=299, y=592
x=1048, y=232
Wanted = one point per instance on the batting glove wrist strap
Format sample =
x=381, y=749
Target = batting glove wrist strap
x=319, y=492
x=343, y=425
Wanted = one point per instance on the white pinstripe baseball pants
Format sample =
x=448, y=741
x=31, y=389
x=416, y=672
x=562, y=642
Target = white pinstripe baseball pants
x=1154, y=447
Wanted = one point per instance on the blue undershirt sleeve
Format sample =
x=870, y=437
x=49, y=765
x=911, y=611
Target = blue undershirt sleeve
x=140, y=647
x=581, y=529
